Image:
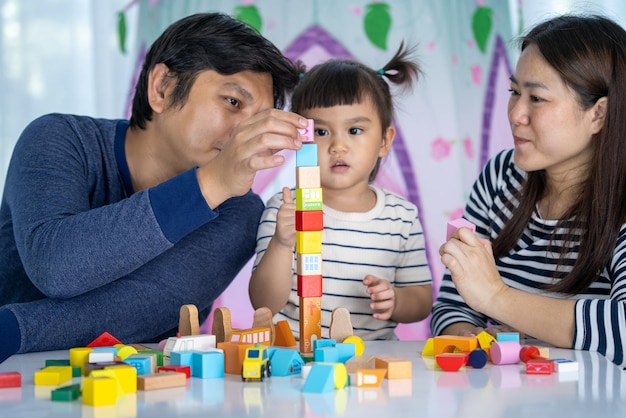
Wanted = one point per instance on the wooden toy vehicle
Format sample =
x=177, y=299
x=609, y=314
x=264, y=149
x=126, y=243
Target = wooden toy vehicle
x=256, y=364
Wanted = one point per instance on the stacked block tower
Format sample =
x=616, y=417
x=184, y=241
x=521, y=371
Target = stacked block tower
x=309, y=226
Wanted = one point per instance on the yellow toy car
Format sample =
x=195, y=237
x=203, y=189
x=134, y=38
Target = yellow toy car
x=256, y=363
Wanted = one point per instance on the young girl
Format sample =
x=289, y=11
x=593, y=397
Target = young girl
x=373, y=251
x=549, y=254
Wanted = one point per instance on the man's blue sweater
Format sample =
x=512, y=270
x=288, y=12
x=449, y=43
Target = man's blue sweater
x=81, y=253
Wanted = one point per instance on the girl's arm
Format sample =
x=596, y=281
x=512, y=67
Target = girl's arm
x=413, y=303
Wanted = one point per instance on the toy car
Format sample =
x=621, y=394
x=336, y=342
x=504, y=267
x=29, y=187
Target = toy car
x=256, y=363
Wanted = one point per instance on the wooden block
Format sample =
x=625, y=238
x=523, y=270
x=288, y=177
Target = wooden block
x=188, y=323
x=310, y=323
x=309, y=220
x=369, y=378
x=53, y=375
x=309, y=286
x=309, y=264
x=397, y=368
x=360, y=362
x=359, y=345
x=308, y=177
x=263, y=318
x=451, y=362
x=283, y=335
x=450, y=343
x=307, y=134
x=260, y=335
x=455, y=224
x=10, y=380
x=340, y=324
x=161, y=381
x=308, y=242
x=180, y=369
x=99, y=391
x=104, y=340
x=309, y=199
x=222, y=324
x=306, y=156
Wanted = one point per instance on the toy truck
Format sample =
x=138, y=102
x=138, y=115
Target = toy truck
x=256, y=363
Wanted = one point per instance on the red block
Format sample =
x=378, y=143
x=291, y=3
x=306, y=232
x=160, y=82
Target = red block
x=179, y=369
x=104, y=340
x=539, y=366
x=309, y=286
x=309, y=220
x=451, y=362
x=10, y=380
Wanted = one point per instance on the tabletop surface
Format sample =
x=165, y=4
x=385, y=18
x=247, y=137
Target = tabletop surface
x=598, y=389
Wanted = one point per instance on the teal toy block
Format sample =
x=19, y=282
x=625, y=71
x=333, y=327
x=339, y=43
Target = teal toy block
x=345, y=351
x=66, y=393
x=507, y=336
x=286, y=362
x=321, y=379
x=180, y=358
x=326, y=355
x=142, y=364
x=207, y=364
x=324, y=342
x=307, y=155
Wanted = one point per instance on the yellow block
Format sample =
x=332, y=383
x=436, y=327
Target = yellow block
x=102, y=373
x=127, y=377
x=124, y=351
x=99, y=391
x=53, y=375
x=429, y=348
x=309, y=199
x=309, y=242
x=358, y=344
x=79, y=356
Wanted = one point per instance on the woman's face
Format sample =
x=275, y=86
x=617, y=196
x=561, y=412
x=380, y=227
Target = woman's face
x=550, y=130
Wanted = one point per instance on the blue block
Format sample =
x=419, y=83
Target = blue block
x=321, y=379
x=345, y=351
x=207, y=364
x=307, y=155
x=286, y=362
x=326, y=354
x=142, y=364
x=507, y=336
x=180, y=358
x=325, y=342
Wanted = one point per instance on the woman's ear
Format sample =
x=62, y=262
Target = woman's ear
x=157, y=88
x=599, y=114
x=388, y=136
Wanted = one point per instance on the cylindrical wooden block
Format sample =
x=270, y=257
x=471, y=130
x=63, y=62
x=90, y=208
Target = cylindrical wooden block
x=505, y=352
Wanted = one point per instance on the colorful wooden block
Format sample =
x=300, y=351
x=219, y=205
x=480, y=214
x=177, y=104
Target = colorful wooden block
x=234, y=354
x=222, y=324
x=143, y=364
x=340, y=326
x=307, y=134
x=99, y=391
x=478, y=358
x=188, y=323
x=451, y=343
x=539, y=366
x=506, y=352
x=126, y=375
x=124, y=351
x=564, y=365
x=308, y=242
x=66, y=393
x=369, y=377
x=310, y=322
x=102, y=354
x=307, y=155
x=320, y=379
x=284, y=336
x=10, y=380
x=53, y=375
x=308, y=177
x=485, y=340
x=309, y=286
x=180, y=369
x=208, y=364
x=397, y=368
x=79, y=356
x=309, y=264
x=309, y=220
x=508, y=336
x=429, y=348
x=161, y=381
x=455, y=224
x=309, y=199
x=286, y=362
x=451, y=362
x=102, y=373
x=104, y=340
x=359, y=345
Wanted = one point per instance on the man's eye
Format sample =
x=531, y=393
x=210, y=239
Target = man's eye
x=233, y=102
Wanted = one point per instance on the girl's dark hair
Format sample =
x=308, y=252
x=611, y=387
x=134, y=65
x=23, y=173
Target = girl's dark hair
x=344, y=82
x=210, y=41
x=589, y=52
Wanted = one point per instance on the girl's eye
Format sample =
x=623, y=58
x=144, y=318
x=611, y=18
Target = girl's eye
x=321, y=132
x=355, y=131
x=233, y=102
x=514, y=92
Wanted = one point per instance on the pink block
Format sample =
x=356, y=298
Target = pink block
x=455, y=224
x=307, y=134
x=505, y=352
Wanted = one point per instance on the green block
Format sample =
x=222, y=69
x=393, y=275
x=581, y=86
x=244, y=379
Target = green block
x=52, y=362
x=159, y=355
x=66, y=393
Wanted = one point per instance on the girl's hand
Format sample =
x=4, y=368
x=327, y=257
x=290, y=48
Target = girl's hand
x=382, y=295
x=473, y=269
x=286, y=221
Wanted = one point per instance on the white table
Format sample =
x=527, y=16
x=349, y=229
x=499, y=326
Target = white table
x=597, y=390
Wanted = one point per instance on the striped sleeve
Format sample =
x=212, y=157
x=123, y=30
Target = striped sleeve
x=267, y=226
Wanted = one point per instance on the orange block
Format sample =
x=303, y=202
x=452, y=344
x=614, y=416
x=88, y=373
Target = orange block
x=369, y=378
x=450, y=343
x=234, y=354
x=310, y=322
x=284, y=337
x=397, y=368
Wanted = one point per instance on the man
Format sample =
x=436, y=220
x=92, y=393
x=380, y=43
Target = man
x=107, y=225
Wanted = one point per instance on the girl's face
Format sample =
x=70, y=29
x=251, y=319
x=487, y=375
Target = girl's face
x=550, y=130
x=350, y=140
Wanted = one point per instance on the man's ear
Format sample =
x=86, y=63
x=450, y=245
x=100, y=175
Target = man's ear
x=388, y=137
x=599, y=114
x=157, y=88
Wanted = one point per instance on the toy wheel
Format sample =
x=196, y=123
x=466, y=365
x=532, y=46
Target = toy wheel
x=242, y=378
x=262, y=375
x=269, y=370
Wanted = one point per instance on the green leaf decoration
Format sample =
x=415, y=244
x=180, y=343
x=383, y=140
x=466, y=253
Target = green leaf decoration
x=481, y=26
x=251, y=16
x=121, y=31
x=377, y=23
